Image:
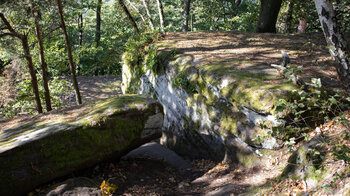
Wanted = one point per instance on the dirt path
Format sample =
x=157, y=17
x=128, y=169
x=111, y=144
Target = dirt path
x=96, y=87
x=158, y=174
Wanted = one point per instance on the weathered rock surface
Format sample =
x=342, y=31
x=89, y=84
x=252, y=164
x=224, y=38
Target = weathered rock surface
x=211, y=101
x=156, y=151
x=75, y=186
x=313, y=163
x=53, y=145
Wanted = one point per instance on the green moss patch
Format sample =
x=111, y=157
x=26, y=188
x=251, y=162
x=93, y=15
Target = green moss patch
x=62, y=142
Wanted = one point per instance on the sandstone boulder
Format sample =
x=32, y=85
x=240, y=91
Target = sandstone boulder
x=52, y=145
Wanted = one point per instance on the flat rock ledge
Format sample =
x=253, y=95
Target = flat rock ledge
x=215, y=104
x=55, y=144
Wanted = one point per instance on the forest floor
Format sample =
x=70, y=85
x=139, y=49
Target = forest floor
x=154, y=176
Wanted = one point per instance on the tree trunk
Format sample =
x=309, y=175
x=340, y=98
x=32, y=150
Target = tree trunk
x=42, y=57
x=137, y=10
x=237, y=4
x=289, y=16
x=98, y=32
x=161, y=16
x=186, y=15
x=127, y=13
x=335, y=40
x=81, y=31
x=70, y=56
x=28, y=57
x=268, y=16
x=148, y=14
x=302, y=25
x=192, y=22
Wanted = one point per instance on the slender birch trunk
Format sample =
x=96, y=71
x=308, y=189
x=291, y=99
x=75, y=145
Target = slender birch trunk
x=150, y=20
x=338, y=47
x=161, y=16
x=127, y=13
x=137, y=10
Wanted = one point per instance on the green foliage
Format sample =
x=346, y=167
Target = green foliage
x=246, y=19
x=302, y=10
x=24, y=99
x=342, y=152
x=308, y=108
x=135, y=47
x=223, y=15
x=182, y=81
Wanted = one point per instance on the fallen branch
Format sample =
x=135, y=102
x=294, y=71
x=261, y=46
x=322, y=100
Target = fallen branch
x=293, y=77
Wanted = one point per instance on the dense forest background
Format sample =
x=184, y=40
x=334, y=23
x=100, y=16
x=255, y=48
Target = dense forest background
x=97, y=32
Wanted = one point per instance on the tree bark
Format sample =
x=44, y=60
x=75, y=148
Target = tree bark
x=289, y=16
x=338, y=47
x=161, y=16
x=137, y=10
x=42, y=57
x=187, y=4
x=127, y=13
x=268, y=16
x=98, y=32
x=81, y=31
x=28, y=57
x=237, y=4
x=70, y=56
x=150, y=20
x=302, y=25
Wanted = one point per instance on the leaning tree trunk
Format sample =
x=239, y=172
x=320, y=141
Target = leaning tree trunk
x=148, y=14
x=268, y=16
x=28, y=57
x=137, y=10
x=186, y=15
x=127, y=13
x=335, y=40
x=70, y=56
x=42, y=57
x=289, y=17
x=98, y=32
x=161, y=15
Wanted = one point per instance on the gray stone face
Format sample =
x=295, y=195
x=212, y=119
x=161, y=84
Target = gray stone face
x=205, y=107
x=56, y=144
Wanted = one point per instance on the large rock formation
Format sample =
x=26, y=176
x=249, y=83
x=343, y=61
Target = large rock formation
x=213, y=101
x=53, y=145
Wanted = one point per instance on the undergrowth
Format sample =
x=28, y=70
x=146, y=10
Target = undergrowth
x=308, y=107
x=23, y=103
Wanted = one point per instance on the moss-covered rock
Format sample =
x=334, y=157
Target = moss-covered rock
x=307, y=163
x=56, y=144
x=206, y=98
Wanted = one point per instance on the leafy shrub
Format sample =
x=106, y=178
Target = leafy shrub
x=246, y=19
x=135, y=45
x=308, y=108
x=24, y=102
